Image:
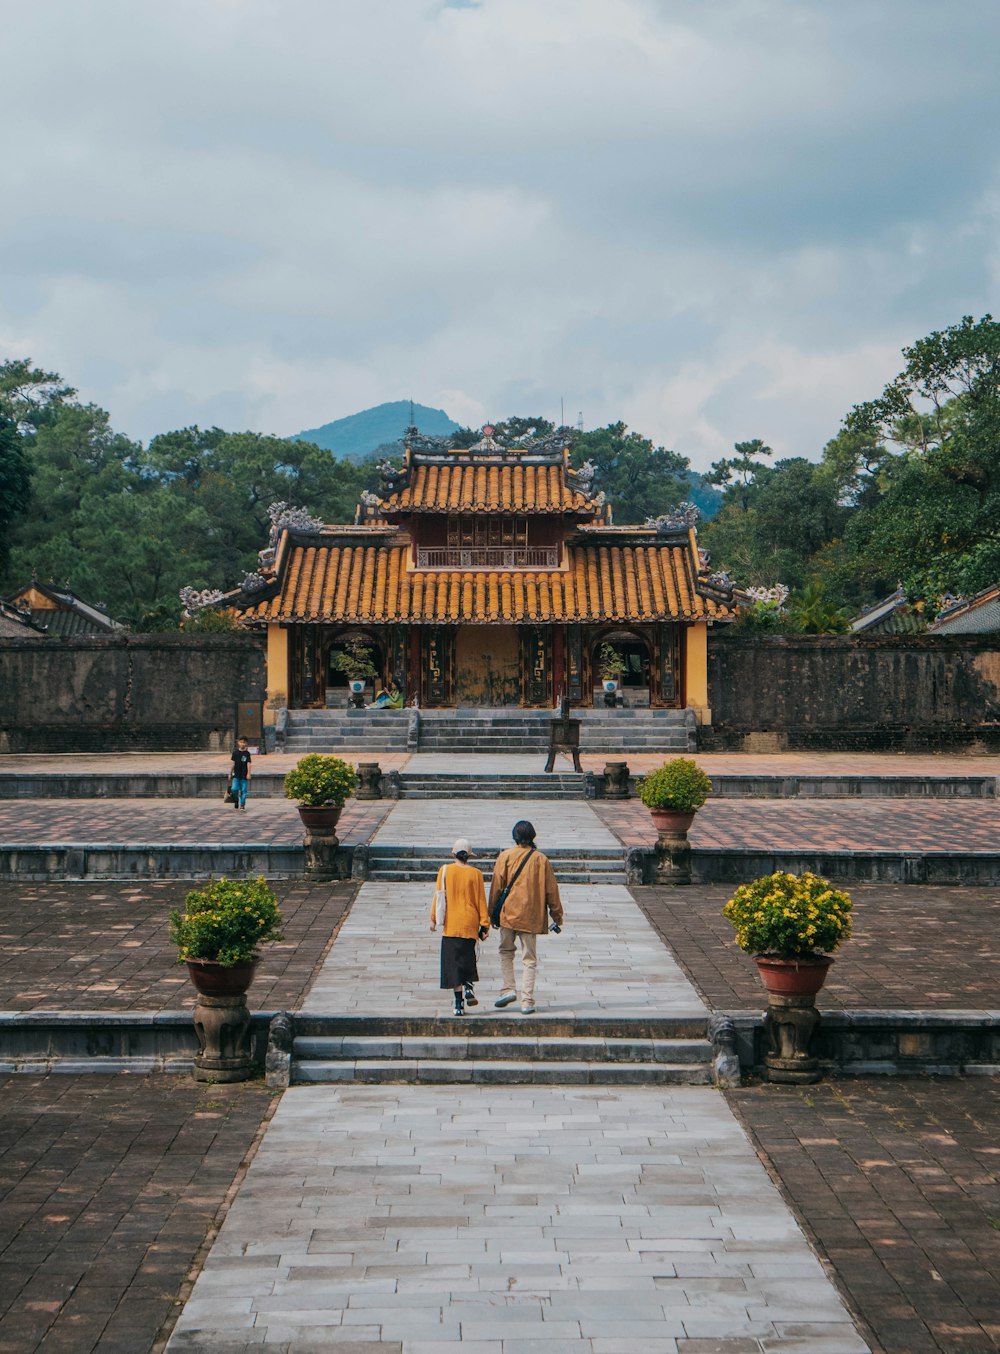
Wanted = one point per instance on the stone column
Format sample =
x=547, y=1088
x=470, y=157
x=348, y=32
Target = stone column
x=369, y=781
x=789, y=1026
x=673, y=857
x=222, y=1025
x=616, y=780
x=324, y=859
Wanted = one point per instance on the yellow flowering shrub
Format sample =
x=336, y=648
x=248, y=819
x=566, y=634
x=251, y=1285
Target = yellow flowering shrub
x=789, y=916
x=227, y=920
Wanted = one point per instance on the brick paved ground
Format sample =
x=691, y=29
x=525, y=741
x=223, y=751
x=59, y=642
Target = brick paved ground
x=897, y=1181
x=809, y=763
x=914, y=947
x=922, y=826
x=96, y=946
x=171, y=763
x=109, y=1187
x=27, y=822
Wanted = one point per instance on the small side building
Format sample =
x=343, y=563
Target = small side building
x=980, y=616
x=59, y=612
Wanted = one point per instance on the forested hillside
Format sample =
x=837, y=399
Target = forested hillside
x=908, y=489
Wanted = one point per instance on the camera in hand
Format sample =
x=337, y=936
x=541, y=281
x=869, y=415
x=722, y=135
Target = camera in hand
x=554, y=929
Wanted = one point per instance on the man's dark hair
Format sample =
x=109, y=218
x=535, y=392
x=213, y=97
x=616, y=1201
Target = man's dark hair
x=524, y=833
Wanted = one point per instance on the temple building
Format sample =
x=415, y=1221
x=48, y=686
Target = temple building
x=490, y=575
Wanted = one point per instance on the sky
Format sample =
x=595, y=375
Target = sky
x=714, y=221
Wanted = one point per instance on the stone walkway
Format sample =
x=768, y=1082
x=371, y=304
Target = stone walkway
x=488, y=823
x=607, y=961
x=522, y=1221
x=512, y=1220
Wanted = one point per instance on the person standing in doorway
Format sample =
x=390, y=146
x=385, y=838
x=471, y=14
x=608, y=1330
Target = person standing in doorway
x=241, y=775
x=523, y=878
x=459, y=908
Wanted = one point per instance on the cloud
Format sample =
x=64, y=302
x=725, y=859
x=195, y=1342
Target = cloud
x=713, y=221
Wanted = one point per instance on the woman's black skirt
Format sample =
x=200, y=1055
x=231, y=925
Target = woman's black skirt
x=458, y=961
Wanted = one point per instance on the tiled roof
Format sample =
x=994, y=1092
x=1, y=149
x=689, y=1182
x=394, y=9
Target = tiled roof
x=358, y=583
x=488, y=488
x=980, y=616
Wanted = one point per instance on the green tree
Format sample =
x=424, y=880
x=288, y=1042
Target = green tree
x=934, y=520
x=737, y=474
x=28, y=395
x=15, y=484
x=640, y=479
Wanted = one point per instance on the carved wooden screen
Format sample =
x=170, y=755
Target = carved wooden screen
x=438, y=660
x=668, y=665
x=536, y=665
x=397, y=657
x=574, y=663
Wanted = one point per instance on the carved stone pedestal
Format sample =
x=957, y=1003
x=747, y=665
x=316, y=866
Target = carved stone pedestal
x=369, y=781
x=789, y=1025
x=324, y=860
x=616, y=780
x=222, y=1025
x=673, y=858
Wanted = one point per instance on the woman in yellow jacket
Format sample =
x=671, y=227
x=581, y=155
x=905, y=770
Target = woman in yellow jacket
x=459, y=908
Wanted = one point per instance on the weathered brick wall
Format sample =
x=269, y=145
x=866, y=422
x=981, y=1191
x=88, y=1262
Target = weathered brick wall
x=164, y=692
x=835, y=691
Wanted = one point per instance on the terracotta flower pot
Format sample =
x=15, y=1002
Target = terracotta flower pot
x=793, y=977
x=213, y=980
x=320, y=818
x=669, y=820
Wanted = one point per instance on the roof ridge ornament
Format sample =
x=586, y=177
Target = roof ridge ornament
x=283, y=516
x=685, y=515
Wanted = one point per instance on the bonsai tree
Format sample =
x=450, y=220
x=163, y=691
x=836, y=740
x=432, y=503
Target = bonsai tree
x=610, y=664
x=226, y=921
x=355, y=660
x=678, y=786
x=319, y=781
x=789, y=916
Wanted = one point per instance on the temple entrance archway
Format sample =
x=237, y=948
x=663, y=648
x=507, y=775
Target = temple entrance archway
x=487, y=665
x=637, y=679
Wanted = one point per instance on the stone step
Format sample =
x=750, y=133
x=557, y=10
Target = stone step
x=442, y=1071
x=497, y=1048
x=379, y=874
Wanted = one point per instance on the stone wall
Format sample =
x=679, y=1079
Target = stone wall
x=905, y=692
x=166, y=692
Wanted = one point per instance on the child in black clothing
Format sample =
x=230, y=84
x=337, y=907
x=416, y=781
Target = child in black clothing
x=241, y=775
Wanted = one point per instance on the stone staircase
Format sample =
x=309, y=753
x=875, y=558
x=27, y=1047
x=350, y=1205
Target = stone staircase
x=501, y=1050
x=482, y=730
x=513, y=786
x=346, y=730
x=572, y=865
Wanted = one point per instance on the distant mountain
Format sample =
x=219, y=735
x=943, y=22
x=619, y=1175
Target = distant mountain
x=358, y=435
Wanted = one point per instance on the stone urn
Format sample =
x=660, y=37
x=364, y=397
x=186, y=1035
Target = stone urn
x=321, y=819
x=222, y=1020
x=792, y=1017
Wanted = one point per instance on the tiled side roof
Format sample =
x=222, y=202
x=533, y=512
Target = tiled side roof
x=488, y=488
x=980, y=616
x=371, y=583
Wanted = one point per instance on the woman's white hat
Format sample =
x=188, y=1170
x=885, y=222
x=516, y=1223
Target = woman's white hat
x=462, y=844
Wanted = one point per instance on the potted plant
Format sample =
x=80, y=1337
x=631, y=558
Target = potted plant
x=790, y=923
x=220, y=931
x=322, y=785
x=674, y=793
x=355, y=659
x=610, y=667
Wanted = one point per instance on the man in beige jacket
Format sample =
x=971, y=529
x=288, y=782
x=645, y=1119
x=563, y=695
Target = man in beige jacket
x=533, y=898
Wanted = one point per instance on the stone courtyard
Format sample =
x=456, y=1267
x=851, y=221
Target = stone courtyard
x=365, y=1214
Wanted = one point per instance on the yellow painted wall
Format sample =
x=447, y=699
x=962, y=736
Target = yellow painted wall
x=277, y=667
x=696, y=671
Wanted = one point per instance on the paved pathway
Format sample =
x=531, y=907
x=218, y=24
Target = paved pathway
x=608, y=961
x=522, y=1221
x=512, y=1220
x=488, y=823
